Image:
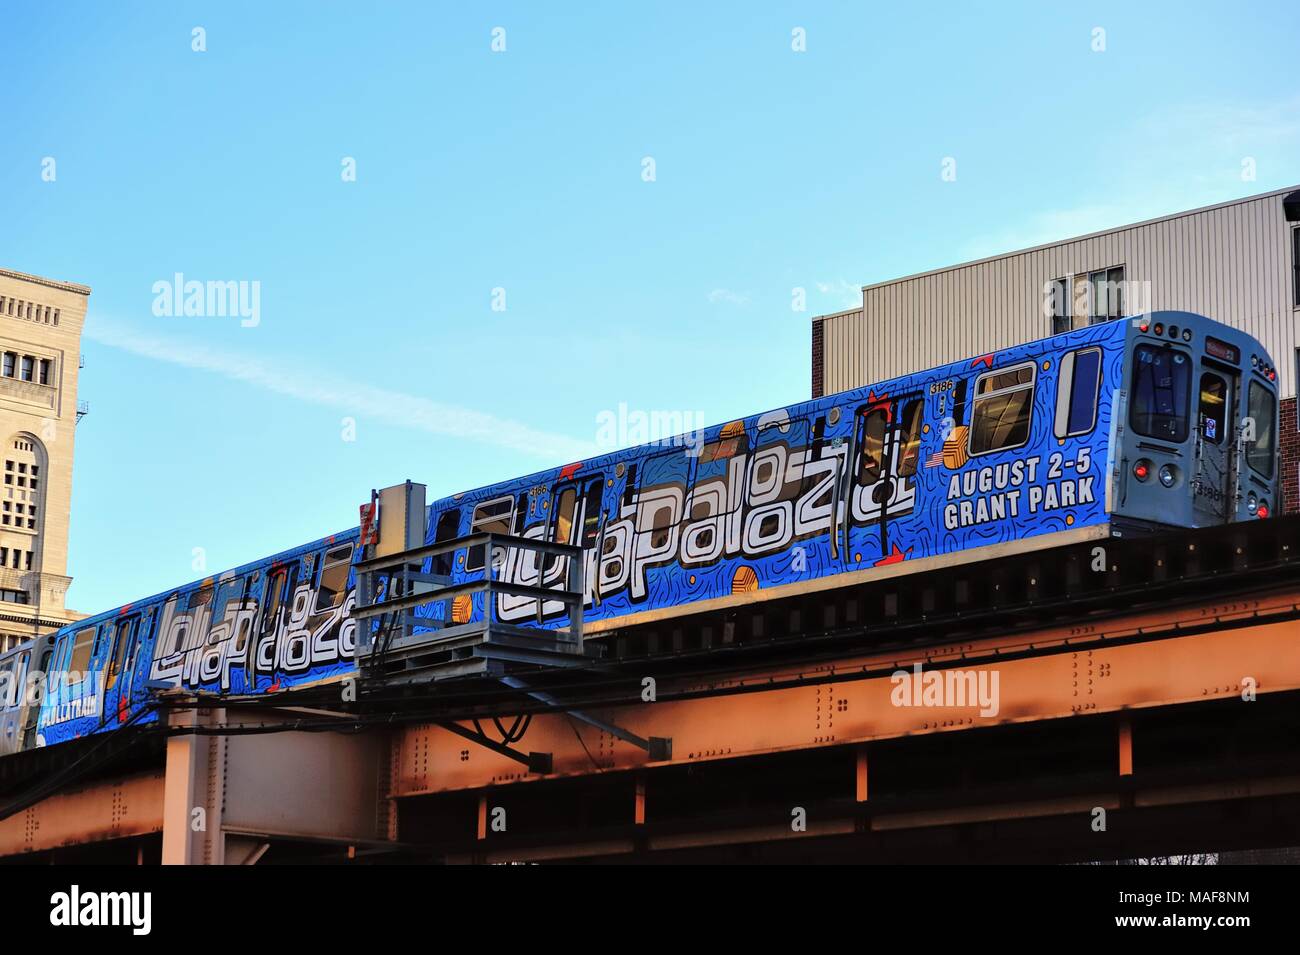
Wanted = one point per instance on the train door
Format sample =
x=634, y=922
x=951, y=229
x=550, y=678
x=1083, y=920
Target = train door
x=13, y=692
x=122, y=652
x=576, y=518
x=887, y=447
x=262, y=656
x=32, y=706
x=503, y=514
x=1214, y=480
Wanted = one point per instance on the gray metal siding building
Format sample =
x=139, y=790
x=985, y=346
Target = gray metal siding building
x=1237, y=262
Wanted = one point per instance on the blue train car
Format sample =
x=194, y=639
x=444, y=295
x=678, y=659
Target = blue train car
x=1163, y=420
x=20, y=674
x=1168, y=419
x=273, y=624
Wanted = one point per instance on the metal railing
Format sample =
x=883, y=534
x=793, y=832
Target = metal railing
x=392, y=590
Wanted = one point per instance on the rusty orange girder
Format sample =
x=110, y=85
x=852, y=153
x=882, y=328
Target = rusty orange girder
x=99, y=811
x=1159, y=658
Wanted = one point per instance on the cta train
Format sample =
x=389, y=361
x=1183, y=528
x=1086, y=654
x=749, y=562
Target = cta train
x=1167, y=419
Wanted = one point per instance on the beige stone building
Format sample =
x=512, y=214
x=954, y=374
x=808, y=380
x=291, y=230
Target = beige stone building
x=40, y=355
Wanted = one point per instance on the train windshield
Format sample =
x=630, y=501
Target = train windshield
x=1162, y=386
x=1259, y=453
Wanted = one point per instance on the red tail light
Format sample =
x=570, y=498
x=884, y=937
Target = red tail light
x=1142, y=470
x=1263, y=510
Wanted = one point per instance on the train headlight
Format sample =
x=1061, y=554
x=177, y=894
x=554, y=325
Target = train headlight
x=1168, y=475
x=1142, y=469
x=1252, y=502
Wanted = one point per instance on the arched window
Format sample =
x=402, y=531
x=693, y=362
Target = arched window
x=22, y=494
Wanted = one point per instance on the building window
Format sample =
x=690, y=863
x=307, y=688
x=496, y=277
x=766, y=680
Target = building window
x=13, y=596
x=45, y=370
x=1295, y=264
x=10, y=358
x=28, y=367
x=1058, y=304
x=1106, y=294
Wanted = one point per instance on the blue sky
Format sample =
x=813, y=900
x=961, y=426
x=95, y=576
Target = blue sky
x=523, y=170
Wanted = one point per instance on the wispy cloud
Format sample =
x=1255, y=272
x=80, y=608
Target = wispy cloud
x=843, y=293
x=727, y=296
x=1190, y=155
x=357, y=399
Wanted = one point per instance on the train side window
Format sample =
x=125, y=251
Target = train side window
x=447, y=528
x=909, y=441
x=793, y=433
x=727, y=446
x=871, y=460
x=490, y=517
x=565, y=507
x=1002, y=408
x=1214, y=406
x=83, y=642
x=657, y=514
x=200, y=598
x=1078, y=387
x=8, y=689
x=1161, y=393
x=334, y=578
x=1262, y=408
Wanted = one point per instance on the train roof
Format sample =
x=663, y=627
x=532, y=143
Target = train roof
x=97, y=618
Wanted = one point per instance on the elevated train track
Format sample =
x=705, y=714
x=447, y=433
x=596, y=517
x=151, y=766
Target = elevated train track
x=1157, y=679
